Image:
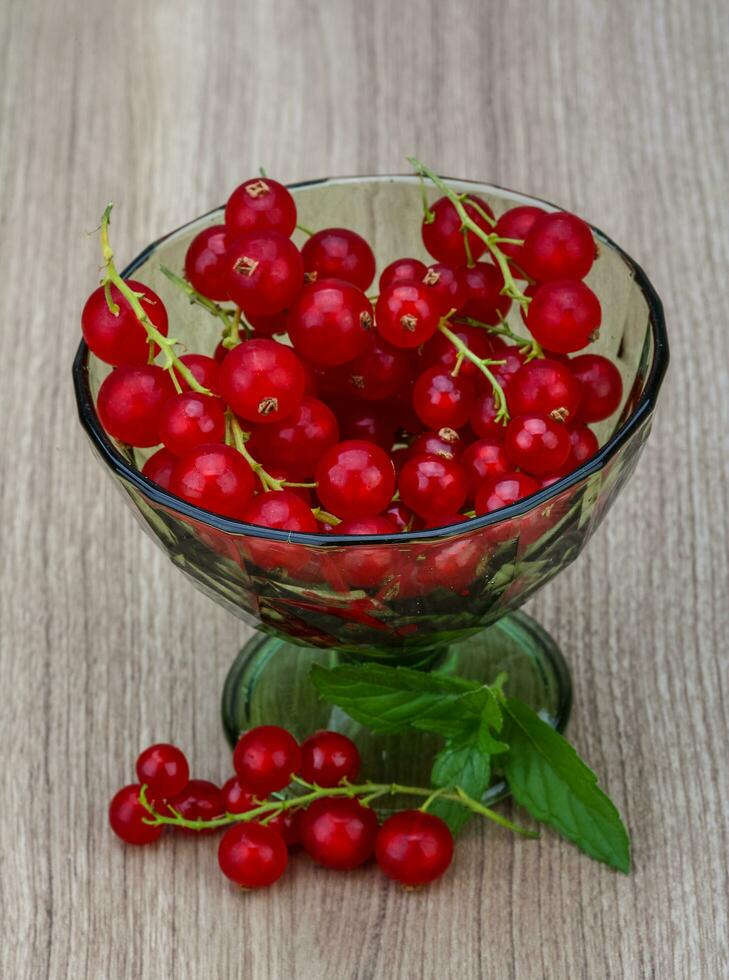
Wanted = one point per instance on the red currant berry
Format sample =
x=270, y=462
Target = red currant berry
x=261, y=204
x=380, y=372
x=547, y=386
x=504, y=490
x=252, y=855
x=159, y=467
x=204, y=370
x=265, y=759
x=483, y=417
x=363, y=567
x=164, y=769
x=338, y=253
x=536, y=443
x=267, y=324
x=373, y=422
x=512, y=360
x=285, y=511
x=483, y=283
x=216, y=478
x=262, y=380
x=516, y=223
x=400, y=515
x=297, y=442
x=264, y=272
x=584, y=444
x=445, y=443
x=443, y=235
x=205, y=267
x=339, y=833
x=355, y=479
x=602, y=386
x=483, y=459
x=329, y=757
x=402, y=270
x=442, y=351
x=329, y=322
x=236, y=798
x=200, y=800
x=189, y=420
x=130, y=403
x=119, y=338
x=127, y=816
x=407, y=314
x=564, y=315
x=430, y=486
x=414, y=847
x=287, y=823
x=558, y=246
x=447, y=285
x=440, y=399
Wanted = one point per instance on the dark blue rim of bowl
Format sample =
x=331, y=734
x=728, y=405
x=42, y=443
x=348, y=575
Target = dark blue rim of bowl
x=646, y=404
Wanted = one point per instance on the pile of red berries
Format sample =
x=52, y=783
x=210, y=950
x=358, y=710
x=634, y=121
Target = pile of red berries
x=340, y=832
x=325, y=409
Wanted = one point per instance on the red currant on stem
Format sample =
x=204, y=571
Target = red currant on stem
x=602, y=386
x=564, y=315
x=516, y=223
x=329, y=322
x=261, y=204
x=537, y=443
x=205, y=262
x=483, y=417
x=484, y=300
x=189, y=420
x=339, y=833
x=482, y=459
x=355, y=479
x=127, y=816
x=253, y=855
x=446, y=443
x=159, y=467
x=431, y=485
x=447, y=285
x=338, y=253
x=204, y=369
x=119, y=337
x=414, y=847
x=200, y=800
x=236, y=798
x=440, y=350
x=329, y=757
x=558, y=245
x=297, y=443
x=264, y=271
x=545, y=385
x=216, y=478
x=369, y=421
x=441, y=399
x=407, y=314
x=164, y=769
x=287, y=823
x=265, y=758
x=402, y=270
x=443, y=234
x=130, y=403
x=262, y=381
x=380, y=372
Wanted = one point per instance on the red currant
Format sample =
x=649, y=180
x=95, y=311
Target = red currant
x=236, y=798
x=372, y=421
x=264, y=272
x=287, y=823
x=265, y=759
x=205, y=262
x=442, y=351
x=267, y=324
x=360, y=566
x=504, y=490
x=440, y=399
x=164, y=769
x=200, y=800
x=261, y=204
x=547, y=386
x=130, y=403
x=445, y=443
x=262, y=380
x=482, y=459
x=380, y=372
x=483, y=283
x=285, y=511
x=355, y=479
x=483, y=417
x=189, y=420
x=414, y=847
x=127, y=816
x=400, y=515
x=447, y=285
x=204, y=370
x=119, y=338
x=159, y=467
x=329, y=757
x=564, y=315
x=338, y=253
x=430, y=486
x=602, y=386
x=536, y=443
x=339, y=833
x=558, y=246
x=216, y=478
x=443, y=235
x=584, y=444
x=407, y=314
x=402, y=270
x=511, y=357
x=297, y=442
x=252, y=855
x=516, y=223
x=329, y=322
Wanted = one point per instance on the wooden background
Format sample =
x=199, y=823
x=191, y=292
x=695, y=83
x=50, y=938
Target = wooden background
x=618, y=110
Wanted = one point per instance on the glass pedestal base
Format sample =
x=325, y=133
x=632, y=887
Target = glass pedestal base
x=268, y=685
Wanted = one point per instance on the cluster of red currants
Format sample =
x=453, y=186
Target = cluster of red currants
x=368, y=415
x=340, y=832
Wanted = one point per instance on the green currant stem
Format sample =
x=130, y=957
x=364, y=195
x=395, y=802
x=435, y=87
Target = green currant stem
x=348, y=790
x=428, y=215
x=504, y=330
x=306, y=231
x=239, y=439
x=214, y=309
x=432, y=798
x=510, y=287
x=325, y=516
x=502, y=411
x=165, y=344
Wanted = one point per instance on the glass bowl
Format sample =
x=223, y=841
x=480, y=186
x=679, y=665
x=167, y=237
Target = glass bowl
x=444, y=598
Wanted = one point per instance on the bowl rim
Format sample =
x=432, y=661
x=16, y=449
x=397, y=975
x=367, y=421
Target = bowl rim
x=111, y=456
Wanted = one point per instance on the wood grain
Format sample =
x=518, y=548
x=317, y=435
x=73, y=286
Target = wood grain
x=617, y=110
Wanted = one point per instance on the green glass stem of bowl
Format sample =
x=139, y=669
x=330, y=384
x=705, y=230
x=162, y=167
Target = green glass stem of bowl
x=447, y=598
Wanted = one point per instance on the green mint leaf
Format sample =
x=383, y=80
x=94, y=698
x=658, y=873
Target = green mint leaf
x=548, y=778
x=393, y=699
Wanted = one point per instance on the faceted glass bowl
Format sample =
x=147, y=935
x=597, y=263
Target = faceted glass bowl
x=434, y=589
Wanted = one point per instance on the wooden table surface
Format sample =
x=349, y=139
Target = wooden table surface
x=617, y=110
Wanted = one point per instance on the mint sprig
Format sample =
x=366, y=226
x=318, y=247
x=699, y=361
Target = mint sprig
x=544, y=772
